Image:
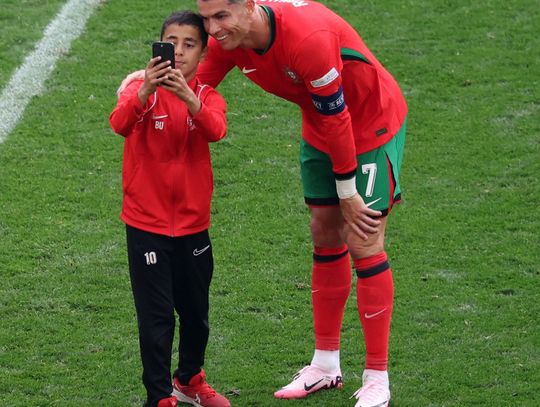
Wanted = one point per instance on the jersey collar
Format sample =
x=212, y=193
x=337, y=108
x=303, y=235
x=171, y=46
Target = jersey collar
x=272, y=23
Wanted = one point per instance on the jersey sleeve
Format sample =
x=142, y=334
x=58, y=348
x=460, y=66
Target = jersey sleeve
x=321, y=72
x=215, y=65
x=211, y=120
x=128, y=110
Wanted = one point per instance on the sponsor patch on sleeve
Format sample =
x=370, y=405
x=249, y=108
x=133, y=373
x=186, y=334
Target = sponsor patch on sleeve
x=326, y=79
x=329, y=105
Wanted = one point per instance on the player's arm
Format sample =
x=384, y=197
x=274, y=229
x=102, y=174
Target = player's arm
x=321, y=72
x=133, y=76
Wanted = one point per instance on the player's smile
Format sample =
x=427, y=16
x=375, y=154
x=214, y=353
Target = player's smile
x=228, y=23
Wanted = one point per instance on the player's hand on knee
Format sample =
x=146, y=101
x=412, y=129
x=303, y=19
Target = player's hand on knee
x=359, y=217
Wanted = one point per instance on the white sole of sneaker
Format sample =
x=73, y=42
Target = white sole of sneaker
x=182, y=398
x=383, y=404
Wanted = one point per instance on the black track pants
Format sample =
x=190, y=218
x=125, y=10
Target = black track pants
x=168, y=274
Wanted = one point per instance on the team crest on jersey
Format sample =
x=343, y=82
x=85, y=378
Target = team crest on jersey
x=291, y=74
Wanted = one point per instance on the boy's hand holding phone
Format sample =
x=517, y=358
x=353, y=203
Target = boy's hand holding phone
x=157, y=68
x=176, y=83
x=154, y=74
x=160, y=72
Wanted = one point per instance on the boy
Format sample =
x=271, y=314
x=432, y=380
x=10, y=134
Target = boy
x=167, y=121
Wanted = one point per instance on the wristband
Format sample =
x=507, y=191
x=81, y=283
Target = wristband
x=346, y=188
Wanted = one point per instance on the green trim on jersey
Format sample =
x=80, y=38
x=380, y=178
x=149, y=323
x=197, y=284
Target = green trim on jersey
x=377, y=174
x=272, y=23
x=347, y=53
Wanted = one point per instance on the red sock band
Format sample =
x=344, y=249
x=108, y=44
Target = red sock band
x=329, y=251
x=375, y=296
x=330, y=285
x=365, y=264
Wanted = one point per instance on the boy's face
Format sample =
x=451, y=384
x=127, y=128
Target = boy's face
x=188, y=48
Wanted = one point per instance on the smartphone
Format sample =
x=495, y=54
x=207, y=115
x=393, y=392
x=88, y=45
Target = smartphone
x=165, y=50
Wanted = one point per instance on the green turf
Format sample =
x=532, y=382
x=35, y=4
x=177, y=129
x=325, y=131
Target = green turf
x=21, y=26
x=464, y=244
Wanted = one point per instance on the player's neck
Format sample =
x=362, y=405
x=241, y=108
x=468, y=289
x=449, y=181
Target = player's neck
x=259, y=33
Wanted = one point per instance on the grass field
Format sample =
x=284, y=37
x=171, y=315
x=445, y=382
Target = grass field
x=464, y=244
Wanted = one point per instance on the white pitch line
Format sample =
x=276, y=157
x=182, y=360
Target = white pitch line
x=28, y=80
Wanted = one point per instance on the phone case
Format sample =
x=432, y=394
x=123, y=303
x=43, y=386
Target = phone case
x=165, y=50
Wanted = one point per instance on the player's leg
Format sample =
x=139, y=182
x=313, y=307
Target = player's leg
x=378, y=183
x=331, y=277
x=150, y=273
x=331, y=267
x=375, y=294
x=331, y=284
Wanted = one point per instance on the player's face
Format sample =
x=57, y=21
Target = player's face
x=188, y=48
x=228, y=23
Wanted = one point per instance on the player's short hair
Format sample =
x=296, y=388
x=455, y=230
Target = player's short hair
x=186, y=17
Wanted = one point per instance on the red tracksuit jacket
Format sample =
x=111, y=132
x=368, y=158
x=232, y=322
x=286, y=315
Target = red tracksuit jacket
x=167, y=177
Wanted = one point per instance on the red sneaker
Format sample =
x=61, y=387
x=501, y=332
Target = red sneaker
x=199, y=393
x=168, y=402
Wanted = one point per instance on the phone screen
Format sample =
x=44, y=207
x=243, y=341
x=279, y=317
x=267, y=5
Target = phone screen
x=165, y=50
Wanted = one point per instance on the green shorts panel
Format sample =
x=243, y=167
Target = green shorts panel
x=377, y=176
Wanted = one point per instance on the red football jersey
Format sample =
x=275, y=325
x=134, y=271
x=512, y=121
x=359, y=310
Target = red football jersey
x=167, y=174
x=350, y=103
